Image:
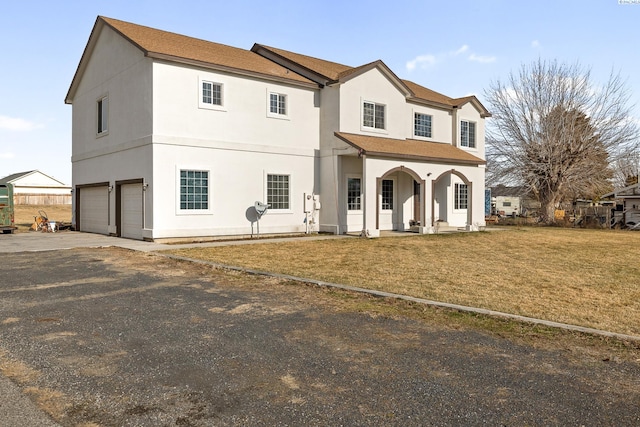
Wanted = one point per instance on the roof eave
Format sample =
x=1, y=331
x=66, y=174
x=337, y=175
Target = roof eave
x=383, y=68
x=425, y=158
x=484, y=113
x=409, y=156
x=306, y=72
x=429, y=103
x=86, y=53
x=224, y=68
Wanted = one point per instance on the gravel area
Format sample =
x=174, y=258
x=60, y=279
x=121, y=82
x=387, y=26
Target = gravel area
x=111, y=337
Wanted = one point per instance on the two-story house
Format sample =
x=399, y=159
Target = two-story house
x=179, y=137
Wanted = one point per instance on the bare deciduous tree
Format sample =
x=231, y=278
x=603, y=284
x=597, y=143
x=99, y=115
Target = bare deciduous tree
x=627, y=170
x=556, y=133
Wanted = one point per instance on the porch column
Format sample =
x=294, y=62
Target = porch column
x=470, y=226
x=369, y=201
x=424, y=227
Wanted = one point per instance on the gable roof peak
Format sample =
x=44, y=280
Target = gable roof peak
x=179, y=48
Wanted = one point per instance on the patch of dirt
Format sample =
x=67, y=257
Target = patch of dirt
x=17, y=370
x=51, y=401
x=24, y=215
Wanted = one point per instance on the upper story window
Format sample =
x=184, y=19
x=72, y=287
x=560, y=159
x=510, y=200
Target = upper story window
x=211, y=93
x=373, y=115
x=194, y=190
x=277, y=104
x=467, y=134
x=103, y=115
x=278, y=191
x=422, y=125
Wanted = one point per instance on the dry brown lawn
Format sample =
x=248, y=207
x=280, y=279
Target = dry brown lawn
x=582, y=277
x=24, y=214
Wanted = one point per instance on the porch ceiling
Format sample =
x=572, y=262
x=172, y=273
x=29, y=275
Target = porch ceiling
x=409, y=149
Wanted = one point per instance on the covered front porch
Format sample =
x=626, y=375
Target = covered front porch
x=410, y=193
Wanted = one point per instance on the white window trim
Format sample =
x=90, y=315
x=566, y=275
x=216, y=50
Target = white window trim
x=374, y=129
x=454, y=197
x=287, y=105
x=346, y=195
x=393, y=199
x=466, y=147
x=209, y=210
x=413, y=126
x=265, y=192
x=205, y=105
x=101, y=99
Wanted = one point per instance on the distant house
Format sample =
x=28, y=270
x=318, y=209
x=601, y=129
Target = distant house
x=36, y=188
x=177, y=137
x=508, y=201
x=629, y=200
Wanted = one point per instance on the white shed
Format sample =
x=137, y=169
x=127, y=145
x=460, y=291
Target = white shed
x=36, y=188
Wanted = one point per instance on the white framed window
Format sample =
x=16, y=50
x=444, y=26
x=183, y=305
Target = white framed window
x=387, y=194
x=102, y=109
x=194, y=190
x=211, y=95
x=277, y=105
x=373, y=115
x=467, y=134
x=279, y=192
x=461, y=196
x=422, y=125
x=354, y=193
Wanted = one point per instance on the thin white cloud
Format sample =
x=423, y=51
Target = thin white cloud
x=460, y=51
x=421, y=61
x=536, y=44
x=17, y=124
x=427, y=61
x=7, y=155
x=482, y=59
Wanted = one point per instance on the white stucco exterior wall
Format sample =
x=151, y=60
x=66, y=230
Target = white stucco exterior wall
x=237, y=144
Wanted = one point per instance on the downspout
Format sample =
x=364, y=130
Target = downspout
x=454, y=127
x=363, y=191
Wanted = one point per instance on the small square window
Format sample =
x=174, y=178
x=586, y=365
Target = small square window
x=210, y=94
x=277, y=104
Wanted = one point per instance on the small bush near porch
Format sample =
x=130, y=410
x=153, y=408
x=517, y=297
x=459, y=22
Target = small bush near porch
x=583, y=277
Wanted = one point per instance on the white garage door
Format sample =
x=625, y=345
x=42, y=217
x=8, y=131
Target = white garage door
x=94, y=209
x=131, y=211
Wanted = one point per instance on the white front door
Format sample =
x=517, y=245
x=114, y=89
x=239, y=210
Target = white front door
x=388, y=208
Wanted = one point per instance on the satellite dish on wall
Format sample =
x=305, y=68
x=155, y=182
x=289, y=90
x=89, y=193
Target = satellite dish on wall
x=261, y=208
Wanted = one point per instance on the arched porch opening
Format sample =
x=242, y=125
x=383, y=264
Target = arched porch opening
x=400, y=196
x=444, y=193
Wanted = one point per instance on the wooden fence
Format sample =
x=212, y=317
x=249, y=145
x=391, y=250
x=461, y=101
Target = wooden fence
x=41, y=199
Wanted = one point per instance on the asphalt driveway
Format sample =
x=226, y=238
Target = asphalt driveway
x=113, y=337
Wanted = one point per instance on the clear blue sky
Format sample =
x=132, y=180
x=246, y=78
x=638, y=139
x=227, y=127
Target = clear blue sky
x=454, y=47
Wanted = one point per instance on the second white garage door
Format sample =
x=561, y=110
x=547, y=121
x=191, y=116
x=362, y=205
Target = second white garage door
x=94, y=209
x=131, y=211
